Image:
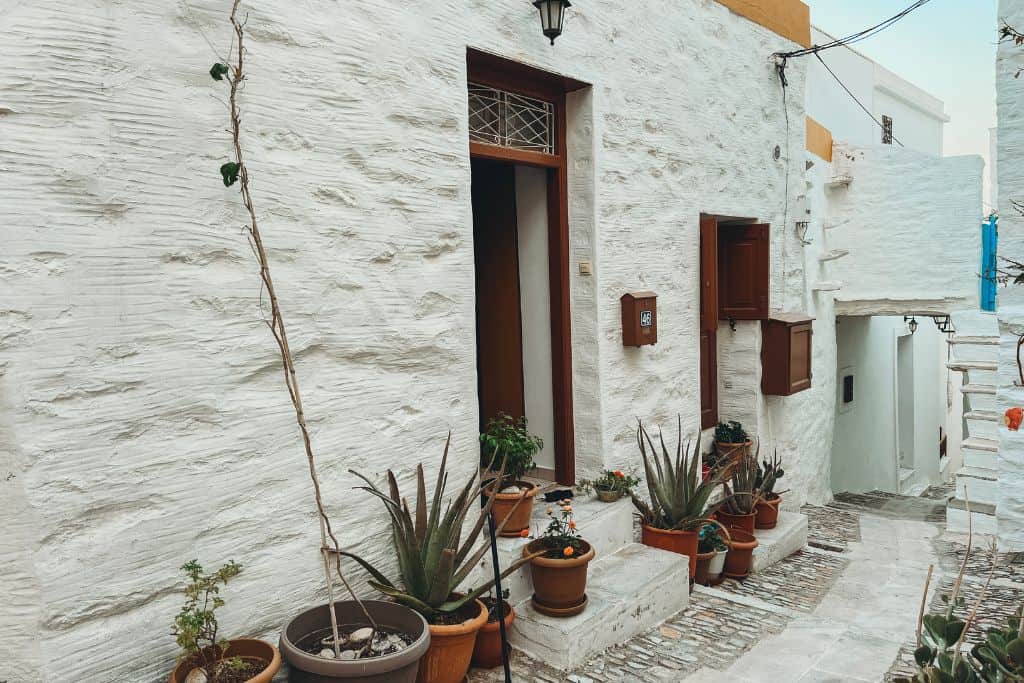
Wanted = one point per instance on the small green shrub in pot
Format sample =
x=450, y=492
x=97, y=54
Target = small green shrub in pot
x=509, y=439
x=731, y=441
x=610, y=486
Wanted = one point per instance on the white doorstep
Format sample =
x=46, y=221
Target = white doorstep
x=629, y=592
x=788, y=536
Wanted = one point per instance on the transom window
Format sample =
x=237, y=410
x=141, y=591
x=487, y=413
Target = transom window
x=507, y=119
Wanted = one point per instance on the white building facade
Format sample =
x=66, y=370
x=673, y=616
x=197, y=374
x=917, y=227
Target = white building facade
x=142, y=412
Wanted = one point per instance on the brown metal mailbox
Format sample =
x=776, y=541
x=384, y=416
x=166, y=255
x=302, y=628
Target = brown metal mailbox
x=785, y=354
x=639, y=318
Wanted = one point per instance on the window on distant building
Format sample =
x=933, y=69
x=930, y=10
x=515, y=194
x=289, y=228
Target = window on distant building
x=886, y=130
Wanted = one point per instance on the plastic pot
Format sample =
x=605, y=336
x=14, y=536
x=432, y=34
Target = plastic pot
x=682, y=542
x=715, y=568
x=487, y=652
x=703, y=566
x=741, y=552
x=745, y=522
x=400, y=667
x=239, y=647
x=451, y=649
x=519, y=519
x=559, y=585
x=767, y=513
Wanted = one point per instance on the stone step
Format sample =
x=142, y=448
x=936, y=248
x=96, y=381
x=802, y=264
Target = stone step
x=986, y=415
x=773, y=545
x=979, y=443
x=980, y=459
x=982, y=517
x=977, y=484
x=986, y=340
x=980, y=396
x=607, y=526
x=628, y=592
x=987, y=389
x=968, y=365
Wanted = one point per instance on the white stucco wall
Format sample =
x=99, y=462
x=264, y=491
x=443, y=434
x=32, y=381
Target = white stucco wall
x=1010, y=309
x=142, y=416
x=911, y=224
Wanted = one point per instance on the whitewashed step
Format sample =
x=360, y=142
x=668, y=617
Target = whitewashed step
x=607, y=526
x=974, y=341
x=628, y=592
x=980, y=396
x=988, y=415
x=978, y=443
x=985, y=460
x=968, y=365
x=773, y=545
x=833, y=255
x=983, y=517
x=987, y=389
x=977, y=484
x=983, y=424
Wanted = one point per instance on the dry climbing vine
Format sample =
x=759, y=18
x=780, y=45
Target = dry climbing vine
x=233, y=71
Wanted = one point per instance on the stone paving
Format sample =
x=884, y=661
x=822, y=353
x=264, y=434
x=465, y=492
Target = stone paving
x=797, y=583
x=830, y=528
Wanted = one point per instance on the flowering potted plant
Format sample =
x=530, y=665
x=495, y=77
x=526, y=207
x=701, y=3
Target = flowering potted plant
x=508, y=440
x=678, y=496
x=205, y=657
x=767, y=513
x=559, y=565
x=610, y=486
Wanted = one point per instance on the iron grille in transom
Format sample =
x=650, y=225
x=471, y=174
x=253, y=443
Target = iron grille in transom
x=498, y=117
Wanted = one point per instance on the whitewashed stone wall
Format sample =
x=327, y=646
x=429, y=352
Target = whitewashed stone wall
x=1010, y=308
x=142, y=417
x=911, y=224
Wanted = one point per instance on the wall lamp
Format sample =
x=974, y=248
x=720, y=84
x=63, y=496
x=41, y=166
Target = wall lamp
x=944, y=323
x=552, y=16
x=911, y=323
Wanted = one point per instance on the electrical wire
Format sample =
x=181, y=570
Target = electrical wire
x=859, y=103
x=855, y=37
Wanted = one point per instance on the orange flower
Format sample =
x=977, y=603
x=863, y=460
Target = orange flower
x=550, y=510
x=619, y=474
x=567, y=508
x=572, y=523
x=568, y=552
x=524, y=533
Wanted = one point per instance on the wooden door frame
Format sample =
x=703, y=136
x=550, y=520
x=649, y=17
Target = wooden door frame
x=488, y=69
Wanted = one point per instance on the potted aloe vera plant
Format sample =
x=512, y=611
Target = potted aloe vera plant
x=509, y=439
x=435, y=556
x=610, y=486
x=738, y=506
x=558, y=565
x=678, y=495
x=767, y=513
x=205, y=656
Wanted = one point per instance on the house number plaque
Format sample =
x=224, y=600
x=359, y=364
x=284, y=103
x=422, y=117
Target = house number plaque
x=639, y=318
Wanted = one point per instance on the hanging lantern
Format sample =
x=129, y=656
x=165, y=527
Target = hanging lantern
x=911, y=323
x=552, y=14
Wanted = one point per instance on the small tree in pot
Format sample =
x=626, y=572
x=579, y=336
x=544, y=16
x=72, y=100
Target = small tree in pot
x=678, y=495
x=509, y=440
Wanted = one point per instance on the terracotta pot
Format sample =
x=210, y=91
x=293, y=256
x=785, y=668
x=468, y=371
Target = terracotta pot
x=487, y=652
x=745, y=522
x=399, y=667
x=741, y=550
x=767, y=515
x=734, y=451
x=239, y=647
x=682, y=542
x=715, y=567
x=451, y=649
x=559, y=585
x=520, y=518
x=700, y=577
x=609, y=496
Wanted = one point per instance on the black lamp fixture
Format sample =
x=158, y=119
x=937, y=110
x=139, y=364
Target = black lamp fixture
x=911, y=323
x=944, y=323
x=552, y=15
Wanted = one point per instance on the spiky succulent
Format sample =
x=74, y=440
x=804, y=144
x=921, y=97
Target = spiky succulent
x=433, y=558
x=742, y=496
x=1000, y=657
x=768, y=475
x=678, y=496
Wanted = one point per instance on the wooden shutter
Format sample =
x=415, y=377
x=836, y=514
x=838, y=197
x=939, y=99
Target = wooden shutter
x=744, y=269
x=708, y=322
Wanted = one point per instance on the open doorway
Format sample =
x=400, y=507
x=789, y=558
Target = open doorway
x=905, y=407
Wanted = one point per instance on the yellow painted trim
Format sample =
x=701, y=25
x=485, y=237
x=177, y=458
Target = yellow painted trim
x=819, y=139
x=789, y=18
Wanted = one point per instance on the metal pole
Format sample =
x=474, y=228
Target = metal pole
x=498, y=592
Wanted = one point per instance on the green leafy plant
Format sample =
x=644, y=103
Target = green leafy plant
x=1000, y=657
x=710, y=540
x=730, y=432
x=610, y=480
x=512, y=440
x=742, y=496
x=561, y=539
x=196, y=629
x=768, y=474
x=434, y=555
x=678, y=496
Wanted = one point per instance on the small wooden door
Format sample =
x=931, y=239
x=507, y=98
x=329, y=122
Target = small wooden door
x=708, y=322
x=744, y=271
x=499, y=330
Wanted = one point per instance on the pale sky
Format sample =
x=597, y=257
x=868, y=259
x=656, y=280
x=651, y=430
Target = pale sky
x=947, y=48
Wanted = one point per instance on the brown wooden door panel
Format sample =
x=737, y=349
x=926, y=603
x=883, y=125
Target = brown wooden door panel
x=708, y=273
x=499, y=331
x=744, y=270
x=708, y=379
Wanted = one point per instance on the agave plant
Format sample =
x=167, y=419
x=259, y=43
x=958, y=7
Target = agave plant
x=678, y=496
x=742, y=496
x=768, y=475
x=433, y=556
